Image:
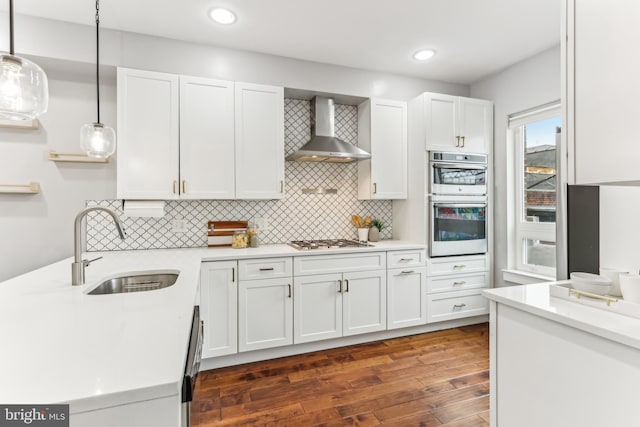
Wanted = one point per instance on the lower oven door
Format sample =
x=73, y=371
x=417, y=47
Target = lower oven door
x=194, y=354
x=458, y=228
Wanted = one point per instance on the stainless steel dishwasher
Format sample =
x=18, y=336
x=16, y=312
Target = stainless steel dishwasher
x=194, y=354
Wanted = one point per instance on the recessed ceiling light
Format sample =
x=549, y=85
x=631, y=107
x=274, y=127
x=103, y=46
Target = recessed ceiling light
x=223, y=16
x=423, y=55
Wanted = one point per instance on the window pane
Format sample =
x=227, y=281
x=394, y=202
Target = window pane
x=538, y=252
x=540, y=170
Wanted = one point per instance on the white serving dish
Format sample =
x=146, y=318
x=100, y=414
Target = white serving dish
x=592, y=283
x=613, y=274
x=630, y=287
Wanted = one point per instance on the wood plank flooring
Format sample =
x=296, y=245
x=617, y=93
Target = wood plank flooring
x=433, y=379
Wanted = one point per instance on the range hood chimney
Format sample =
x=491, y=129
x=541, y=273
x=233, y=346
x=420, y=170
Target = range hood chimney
x=323, y=145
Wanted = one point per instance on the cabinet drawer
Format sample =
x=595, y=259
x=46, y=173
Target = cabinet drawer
x=402, y=259
x=456, y=265
x=339, y=263
x=457, y=282
x=264, y=268
x=455, y=305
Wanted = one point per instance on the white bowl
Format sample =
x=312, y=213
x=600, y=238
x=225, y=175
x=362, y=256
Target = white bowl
x=591, y=283
x=630, y=287
x=613, y=274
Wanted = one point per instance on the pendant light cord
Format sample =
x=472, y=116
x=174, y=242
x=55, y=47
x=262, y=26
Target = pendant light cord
x=11, y=51
x=97, y=55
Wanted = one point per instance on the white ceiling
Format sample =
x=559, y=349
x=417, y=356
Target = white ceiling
x=473, y=38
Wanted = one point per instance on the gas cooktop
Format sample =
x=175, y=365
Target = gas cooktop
x=304, y=245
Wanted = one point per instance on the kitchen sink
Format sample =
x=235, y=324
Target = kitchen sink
x=135, y=282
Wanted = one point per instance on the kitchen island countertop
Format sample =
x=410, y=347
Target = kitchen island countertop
x=61, y=345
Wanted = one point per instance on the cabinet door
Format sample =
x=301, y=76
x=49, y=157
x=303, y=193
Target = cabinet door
x=206, y=139
x=265, y=313
x=148, y=144
x=475, y=125
x=219, y=308
x=364, y=302
x=317, y=307
x=606, y=91
x=441, y=122
x=259, y=122
x=388, y=149
x=407, y=297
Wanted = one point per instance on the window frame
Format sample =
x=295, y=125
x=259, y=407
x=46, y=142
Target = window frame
x=521, y=231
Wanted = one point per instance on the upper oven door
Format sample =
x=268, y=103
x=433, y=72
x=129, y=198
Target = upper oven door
x=458, y=228
x=458, y=178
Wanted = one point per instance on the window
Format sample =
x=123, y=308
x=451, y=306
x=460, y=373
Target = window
x=535, y=135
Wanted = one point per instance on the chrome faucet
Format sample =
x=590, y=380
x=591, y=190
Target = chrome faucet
x=78, y=265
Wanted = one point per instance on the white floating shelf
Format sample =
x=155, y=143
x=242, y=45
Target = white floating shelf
x=31, y=188
x=54, y=156
x=20, y=124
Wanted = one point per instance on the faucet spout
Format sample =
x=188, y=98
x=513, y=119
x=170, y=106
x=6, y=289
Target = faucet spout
x=78, y=265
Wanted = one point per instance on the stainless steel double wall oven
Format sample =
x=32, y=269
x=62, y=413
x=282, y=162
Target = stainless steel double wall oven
x=457, y=204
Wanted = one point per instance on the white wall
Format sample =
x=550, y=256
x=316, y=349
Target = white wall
x=527, y=84
x=37, y=230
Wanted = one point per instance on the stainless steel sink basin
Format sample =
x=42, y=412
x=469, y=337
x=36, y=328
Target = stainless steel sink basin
x=135, y=283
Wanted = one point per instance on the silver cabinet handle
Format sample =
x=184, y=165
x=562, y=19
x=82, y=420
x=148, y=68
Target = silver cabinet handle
x=407, y=272
x=233, y=274
x=458, y=266
x=459, y=305
x=406, y=259
x=463, y=142
x=266, y=269
x=289, y=286
x=462, y=282
x=375, y=188
x=457, y=141
x=347, y=283
x=174, y=186
x=282, y=186
x=184, y=186
x=340, y=282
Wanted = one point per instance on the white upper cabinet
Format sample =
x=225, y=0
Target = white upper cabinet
x=382, y=131
x=148, y=126
x=194, y=138
x=455, y=123
x=206, y=139
x=259, y=148
x=603, y=85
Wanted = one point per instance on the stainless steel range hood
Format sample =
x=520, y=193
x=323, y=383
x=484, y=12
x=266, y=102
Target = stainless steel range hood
x=323, y=145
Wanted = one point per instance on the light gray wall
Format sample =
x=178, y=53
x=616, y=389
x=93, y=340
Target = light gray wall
x=527, y=84
x=37, y=230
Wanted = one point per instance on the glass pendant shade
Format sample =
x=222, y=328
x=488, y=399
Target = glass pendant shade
x=98, y=140
x=24, y=89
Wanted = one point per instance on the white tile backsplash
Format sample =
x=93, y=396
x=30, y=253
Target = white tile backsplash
x=295, y=217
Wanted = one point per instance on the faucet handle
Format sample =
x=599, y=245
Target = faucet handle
x=88, y=262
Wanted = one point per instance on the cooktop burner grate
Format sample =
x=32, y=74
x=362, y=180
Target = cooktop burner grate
x=327, y=244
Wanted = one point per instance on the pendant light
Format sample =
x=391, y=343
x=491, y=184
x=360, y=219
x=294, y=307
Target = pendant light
x=24, y=89
x=96, y=139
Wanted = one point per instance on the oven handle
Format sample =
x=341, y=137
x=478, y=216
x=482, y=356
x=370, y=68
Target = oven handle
x=460, y=205
x=458, y=166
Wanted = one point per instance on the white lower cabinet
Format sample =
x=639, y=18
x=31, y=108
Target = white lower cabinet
x=339, y=304
x=406, y=297
x=364, y=302
x=265, y=313
x=455, y=305
x=454, y=287
x=219, y=308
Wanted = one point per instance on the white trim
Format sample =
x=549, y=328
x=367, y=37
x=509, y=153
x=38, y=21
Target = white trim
x=542, y=112
x=524, y=277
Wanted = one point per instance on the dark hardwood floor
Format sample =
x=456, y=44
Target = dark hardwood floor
x=434, y=379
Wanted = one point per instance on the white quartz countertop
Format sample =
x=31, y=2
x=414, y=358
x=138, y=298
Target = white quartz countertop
x=60, y=345
x=592, y=316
